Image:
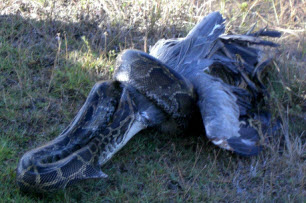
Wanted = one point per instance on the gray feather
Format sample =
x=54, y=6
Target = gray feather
x=227, y=57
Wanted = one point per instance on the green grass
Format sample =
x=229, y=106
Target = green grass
x=51, y=54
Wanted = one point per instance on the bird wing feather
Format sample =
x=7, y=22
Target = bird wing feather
x=217, y=64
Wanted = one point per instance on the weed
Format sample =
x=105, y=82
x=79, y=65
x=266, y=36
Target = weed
x=52, y=52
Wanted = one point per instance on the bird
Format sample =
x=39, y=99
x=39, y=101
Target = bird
x=208, y=77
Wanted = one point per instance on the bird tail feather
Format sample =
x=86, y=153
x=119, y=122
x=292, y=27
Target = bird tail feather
x=226, y=71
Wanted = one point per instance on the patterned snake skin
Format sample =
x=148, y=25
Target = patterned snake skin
x=143, y=94
x=207, y=78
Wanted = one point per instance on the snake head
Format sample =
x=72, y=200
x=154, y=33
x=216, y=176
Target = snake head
x=74, y=154
x=110, y=117
x=144, y=93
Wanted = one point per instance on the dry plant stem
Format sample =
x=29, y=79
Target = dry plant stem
x=39, y=96
x=275, y=12
x=245, y=15
x=55, y=61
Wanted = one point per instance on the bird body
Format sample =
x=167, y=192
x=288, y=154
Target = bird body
x=200, y=74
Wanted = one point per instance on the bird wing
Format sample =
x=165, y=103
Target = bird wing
x=225, y=71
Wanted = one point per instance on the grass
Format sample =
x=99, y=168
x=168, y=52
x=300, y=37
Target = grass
x=52, y=52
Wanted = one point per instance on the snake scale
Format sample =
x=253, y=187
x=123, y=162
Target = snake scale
x=113, y=112
x=206, y=76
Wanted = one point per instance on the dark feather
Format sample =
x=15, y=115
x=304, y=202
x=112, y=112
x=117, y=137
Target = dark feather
x=235, y=60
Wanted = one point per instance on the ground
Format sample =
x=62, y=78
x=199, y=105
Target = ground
x=52, y=52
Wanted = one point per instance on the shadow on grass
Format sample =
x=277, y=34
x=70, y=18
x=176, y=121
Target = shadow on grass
x=42, y=35
x=152, y=166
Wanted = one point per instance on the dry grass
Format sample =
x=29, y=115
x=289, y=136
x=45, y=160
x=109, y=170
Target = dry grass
x=52, y=52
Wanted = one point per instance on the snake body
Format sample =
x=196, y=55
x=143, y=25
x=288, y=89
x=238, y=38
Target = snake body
x=206, y=76
x=113, y=112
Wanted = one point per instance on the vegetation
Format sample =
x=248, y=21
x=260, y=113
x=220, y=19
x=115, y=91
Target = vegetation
x=53, y=51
